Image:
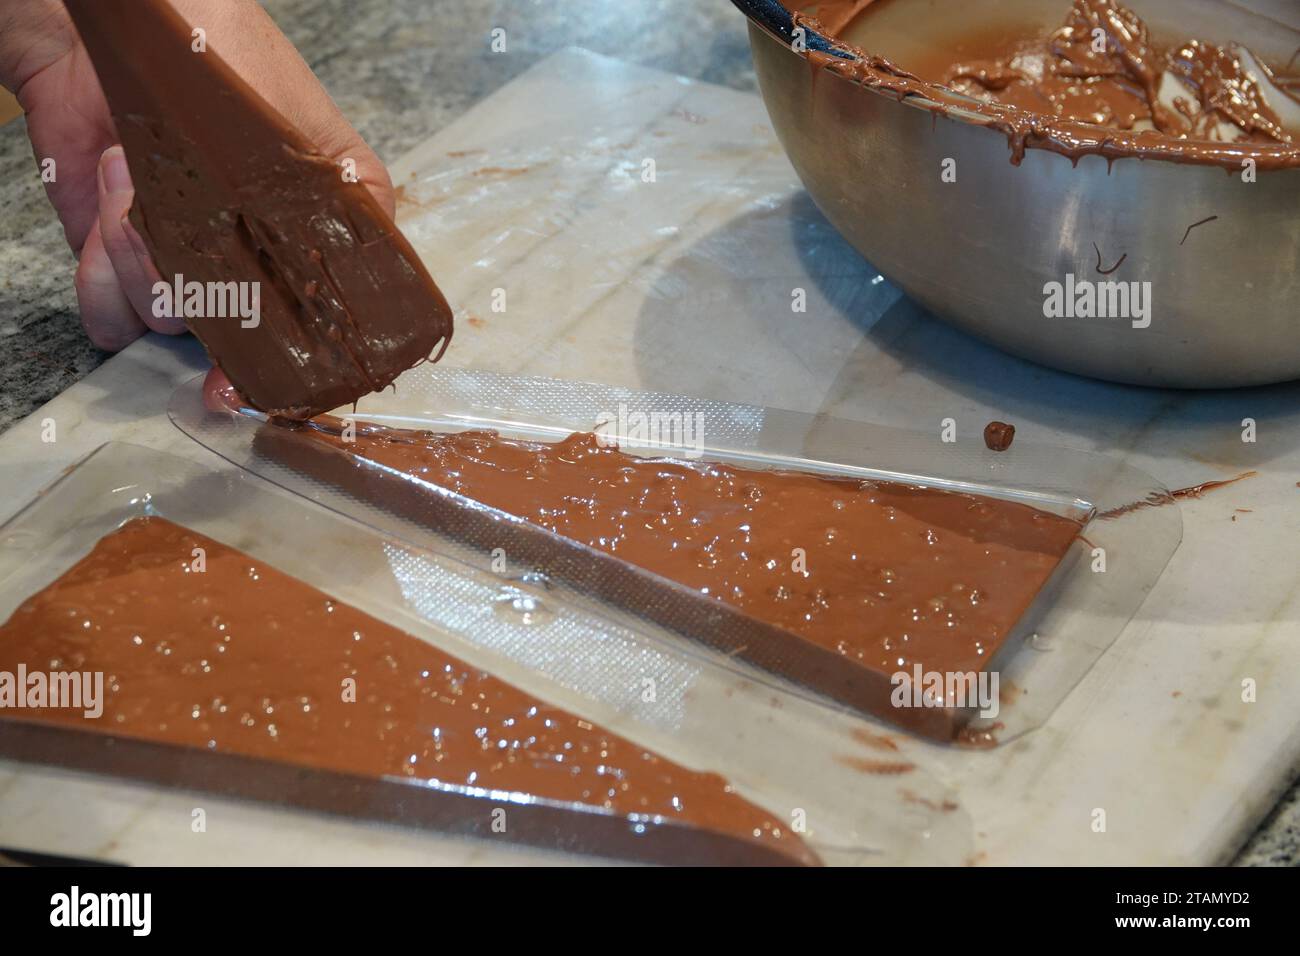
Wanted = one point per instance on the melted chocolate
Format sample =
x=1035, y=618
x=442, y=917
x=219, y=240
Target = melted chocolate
x=998, y=436
x=1155, y=500
x=227, y=190
x=1197, y=90
x=881, y=574
x=1195, y=102
x=242, y=659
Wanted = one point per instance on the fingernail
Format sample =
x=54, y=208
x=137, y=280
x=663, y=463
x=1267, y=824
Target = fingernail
x=117, y=178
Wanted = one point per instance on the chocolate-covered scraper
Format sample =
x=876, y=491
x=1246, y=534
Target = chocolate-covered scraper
x=228, y=191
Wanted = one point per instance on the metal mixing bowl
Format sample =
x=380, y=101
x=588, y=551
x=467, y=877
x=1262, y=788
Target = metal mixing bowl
x=979, y=252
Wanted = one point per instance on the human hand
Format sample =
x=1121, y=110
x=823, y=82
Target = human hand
x=43, y=62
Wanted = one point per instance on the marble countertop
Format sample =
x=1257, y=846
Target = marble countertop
x=398, y=71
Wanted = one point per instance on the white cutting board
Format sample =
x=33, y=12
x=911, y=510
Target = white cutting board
x=684, y=284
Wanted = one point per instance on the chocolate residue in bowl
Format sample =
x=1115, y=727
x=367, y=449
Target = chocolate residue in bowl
x=1097, y=85
x=1105, y=272
x=1200, y=222
x=1103, y=67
